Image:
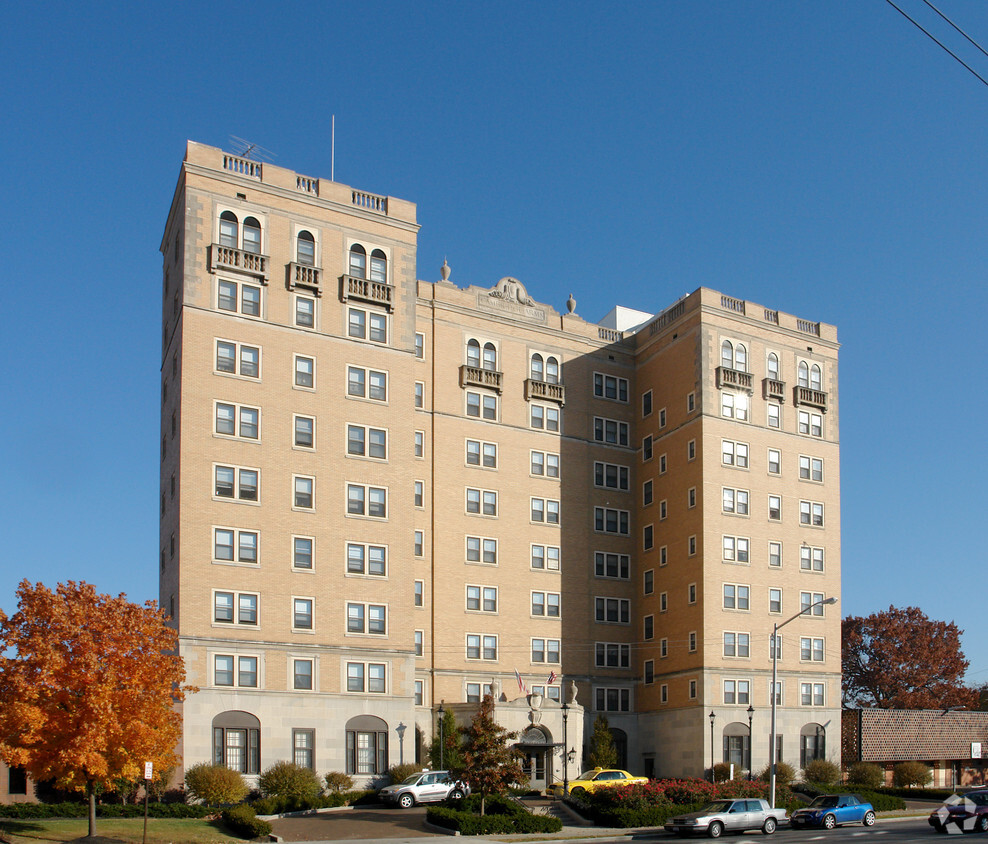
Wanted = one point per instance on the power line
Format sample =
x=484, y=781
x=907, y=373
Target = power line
x=939, y=44
x=956, y=27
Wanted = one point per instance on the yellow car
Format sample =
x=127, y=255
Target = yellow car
x=597, y=778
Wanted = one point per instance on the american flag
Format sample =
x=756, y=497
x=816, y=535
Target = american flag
x=521, y=683
x=552, y=678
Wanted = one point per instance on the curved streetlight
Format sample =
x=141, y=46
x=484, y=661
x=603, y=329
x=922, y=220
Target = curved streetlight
x=565, y=753
x=751, y=716
x=712, y=717
x=775, y=681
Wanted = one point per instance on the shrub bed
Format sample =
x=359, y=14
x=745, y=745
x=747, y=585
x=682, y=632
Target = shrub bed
x=282, y=805
x=882, y=801
x=242, y=821
x=31, y=811
x=502, y=816
x=922, y=793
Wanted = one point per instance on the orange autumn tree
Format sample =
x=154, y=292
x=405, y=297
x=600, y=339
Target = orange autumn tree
x=88, y=684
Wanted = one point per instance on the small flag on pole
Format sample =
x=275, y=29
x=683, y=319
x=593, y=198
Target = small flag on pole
x=521, y=683
x=552, y=678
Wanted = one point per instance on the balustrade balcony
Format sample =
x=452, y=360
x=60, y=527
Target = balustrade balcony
x=733, y=378
x=376, y=292
x=811, y=397
x=772, y=389
x=302, y=275
x=474, y=376
x=237, y=260
x=545, y=391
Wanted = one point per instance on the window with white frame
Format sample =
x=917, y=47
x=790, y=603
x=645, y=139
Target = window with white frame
x=482, y=357
x=545, y=650
x=419, y=593
x=481, y=549
x=304, y=748
x=481, y=405
x=481, y=453
x=481, y=598
x=611, y=565
x=418, y=543
x=302, y=674
x=691, y=546
x=809, y=423
x=810, y=649
x=734, y=453
x=419, y=693
x=235, y=546
x=545, y=557
x=737, y=644
x=691, y=641
x=612, y=700
x=810, y=468
x=734, y=355
x=234, y=670
x=545, y=510
x=737, y=691
x=235, y=482
x=367, y=559
x=475, y=692
x=544, y=464
x=690, y=402
x=647, y=448
x=736, y=549
x=773, y=415
x=305, y=372
x=238, y=298
x=378, y=263
x=612, y=655
x=648, y=628
x=662, y=417
x=545, y=604
x=611, y=476
x=302, y=613
x=544, y=368
x=419, y=449
x=663, y=648
x=610, y=431
x=774, y=461
x=419, y=346
x=775, y=601
x=480, y=646
x=647, y=403
x=809, y=599
x=811, y=513
x=544, y=417
x=305, y=312
x=420, y=394
x=810, y=558
x=481, y=501
x=607, y=520
x=234, y=420
x=663, y=463
x=808, y=375
x=549, y=692
x=648, y=537
x=235, y=608
x=735, y=501
x=772, y=366
x=648, y=494
x=419, y=643
x=691, y=450
x=367, y=325
x=303, y=497
x=691, y=497
x=612, y=610
x=737, y=596
x=734, y=405
x=238, y=359
x=302, y=552
x=692, y=689
x=363, y=383
x=305, y=248
x=774, y=641
x=610, y=387
x=775, y=554
x=371, y=619
x=364, y=441
x=370, y=677
x=305, y=431
x=368, y=501
x=691, y=593
x=775, y=508
x=811, y=694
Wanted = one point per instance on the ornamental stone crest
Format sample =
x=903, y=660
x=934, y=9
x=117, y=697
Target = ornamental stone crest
x=511, y=290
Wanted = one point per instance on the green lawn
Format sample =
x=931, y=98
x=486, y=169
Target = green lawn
x=160, y=830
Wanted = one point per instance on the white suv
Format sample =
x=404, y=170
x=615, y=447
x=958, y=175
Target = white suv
x=424, y=787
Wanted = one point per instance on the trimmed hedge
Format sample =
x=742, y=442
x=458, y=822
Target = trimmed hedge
x=242, y=821
x=282, y=805
x=32, y=811
x=467, y=823
x=931, y=793
x=881, y=801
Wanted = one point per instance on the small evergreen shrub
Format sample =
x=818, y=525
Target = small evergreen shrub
x=501, y=822
x=242, y=821
x=784, y=773
x=908, y=774
x=821, y=771
x=337, y=782
x=286, y=779
x=214, y=784
x=866, y=775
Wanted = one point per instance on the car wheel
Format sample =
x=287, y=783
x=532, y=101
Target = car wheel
x=869, y=818
x=769, y=826
x=579, y=791
x=716, y=829
x=939, y=827
x=829, y=822
x=456, y=794
x=981, y=825
x=406, y=801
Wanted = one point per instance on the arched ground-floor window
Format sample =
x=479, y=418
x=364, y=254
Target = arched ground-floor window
x=366, y=745
x=237, y=741
x=812, y=744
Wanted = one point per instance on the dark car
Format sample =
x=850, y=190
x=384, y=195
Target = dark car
x=967, y=812
x=830, y=810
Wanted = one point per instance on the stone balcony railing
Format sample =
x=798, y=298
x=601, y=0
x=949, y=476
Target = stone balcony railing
x=302, y=275
x=474, y=376
x=733, y=378
x=366, y=290
x=811, y=397
x=772, y=389
x=544, y=390
x=229, y=258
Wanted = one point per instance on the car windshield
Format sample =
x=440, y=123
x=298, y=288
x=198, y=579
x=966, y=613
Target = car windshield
x=715, y=806
x=589, y=775
x=414, y=778
x=825, y=801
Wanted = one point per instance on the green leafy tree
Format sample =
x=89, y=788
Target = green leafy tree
x=603, y=753
x=489, y=765
x=451, y=758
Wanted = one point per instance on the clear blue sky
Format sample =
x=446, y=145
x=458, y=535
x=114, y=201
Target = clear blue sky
x=822, y=158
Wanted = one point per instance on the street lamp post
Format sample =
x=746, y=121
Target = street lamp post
x=775, y=682
x=565, y=752
x=751, y=715
x=712, y=717
x=442, y=738
x=400, y=730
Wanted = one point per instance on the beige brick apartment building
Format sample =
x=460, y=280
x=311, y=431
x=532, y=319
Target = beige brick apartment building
x=380, y=495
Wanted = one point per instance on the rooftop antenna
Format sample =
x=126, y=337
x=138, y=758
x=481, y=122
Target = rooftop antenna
x=332, y=153
x=247, y=149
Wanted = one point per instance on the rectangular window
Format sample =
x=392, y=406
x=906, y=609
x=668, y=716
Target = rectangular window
x=774, y=461
x=545, y=650
x=775, y=554
x=302, y=613
x=691, y=593
x=305, y=372
x=367, y=383
x=810, y=424
x=481, y=647
x=810, y=468
x=773, y=642
x=235, y=608
x=544, y=417
x=367, y=618
x=481, y=549
x=474, y=691
x=419, y=696
x=418, y=493
x=304, y=746
x=482, y=598
x=734, y=453
x=303, y=497
x=367, y=501
x=774, y=416
x=235, y=482
x=363, y=441
x=420, y=346
x=737, y=644
x=810, y=649
x=418, y=543
x=647, y=403
x=647, y=493
x=650, y=678
x=775, y=600
x=481, y=406
x=545, y=510
x=482, y=454
x=545, y=604
x=366, y=559
x=238, y=359
x=247, y=301
x=811, y=694
x=648, y=627
x=607, y=520
x=419, y=444
x=419, y=593
x=690, y=402
x=612, y=655
x=734, y=406
x=736, y=596
x=610, y=387
x=691, y=450
x=420, y=394
x=692, y=689
x=544, y=464
x=612, y=700
x=691, y=641
x=612, y=610
x=808, y=599
x=235, y=546
x=611, y=476
x=481, y=501
x=736, y=549
x=648, y=537
x=663, y=463
x=811, y=513
x=367, y=325
x=610, y=565
x=691, y=546
x=775, y=508
x=662, y=418
x=610, y=431
x=238, y=421
x=737, y=691
x=305, y=428
x=647, y=448
x=735, y=501
x=419, y=639
x=810, y=559
x=302, y=674
x=305, y=312
x=663, y=648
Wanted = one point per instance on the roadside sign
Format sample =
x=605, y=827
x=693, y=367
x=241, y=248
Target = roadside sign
x=148, y=769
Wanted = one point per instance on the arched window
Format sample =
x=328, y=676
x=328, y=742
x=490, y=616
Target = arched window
x=552, y=370
x=538, y=368
x=379, y=266
x=812, y=744
x=740, y=358
x=727, y=354
x=358, y=261
x=252, y=236
x=621, y=746
x=815, y=376
x=736, y=745
x=773, y=366
x=490, y=357
x=306, y=249
x=228, y=230
x=473, y=353
x=237, y=741
x=366, y=745
x=803, y=374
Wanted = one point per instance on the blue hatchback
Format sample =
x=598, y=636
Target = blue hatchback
x=829, y=810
